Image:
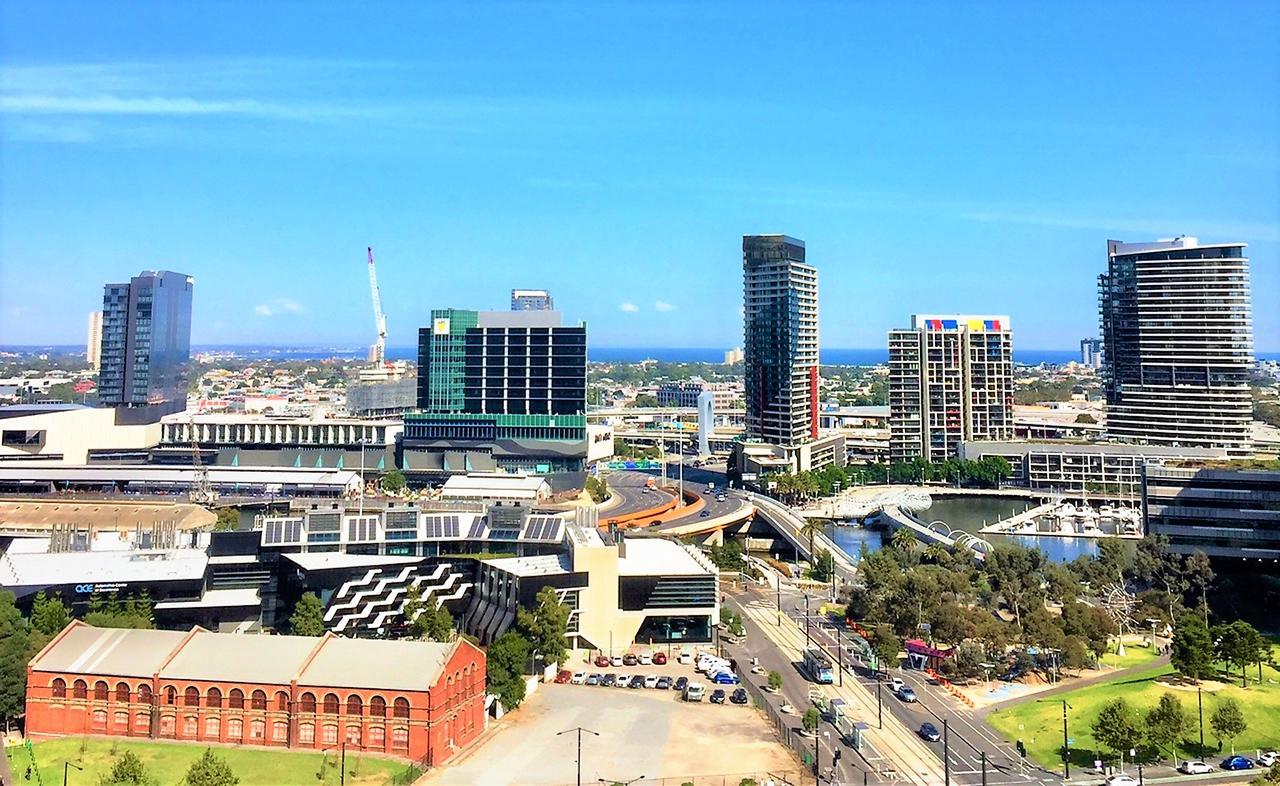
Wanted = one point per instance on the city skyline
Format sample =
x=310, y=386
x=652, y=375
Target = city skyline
x=254, y=160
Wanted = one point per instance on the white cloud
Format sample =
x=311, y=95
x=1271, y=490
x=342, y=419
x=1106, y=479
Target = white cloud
x=662, y=305
x=279, y=305
x=630, y=308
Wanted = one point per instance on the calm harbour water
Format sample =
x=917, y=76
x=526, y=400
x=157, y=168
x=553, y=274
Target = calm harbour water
x=971, y=514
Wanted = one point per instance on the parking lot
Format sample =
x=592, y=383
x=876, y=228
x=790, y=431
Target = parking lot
x=642, y=731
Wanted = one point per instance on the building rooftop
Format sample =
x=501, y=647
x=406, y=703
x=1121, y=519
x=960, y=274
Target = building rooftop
x=28, y=569
x=231, y=658
x=149, y=473
x=42, y=514
x=20, y=410
x=657, y=557
x=542, y=565
x=1094, y=448
x=495, y=485
x=336, y=559
x=391, y=665
x=109, y=651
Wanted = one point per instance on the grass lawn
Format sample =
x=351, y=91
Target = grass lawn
x=1134, y=655
x=167, y=763
x=1039, y=725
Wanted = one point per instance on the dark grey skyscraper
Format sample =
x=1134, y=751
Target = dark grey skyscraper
x=780, y=335
x=1177, y=330
x=146, y=344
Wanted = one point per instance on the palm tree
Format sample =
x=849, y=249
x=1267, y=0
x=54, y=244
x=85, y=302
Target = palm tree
x=936, y=553
x=811, y=528
x=904, y=541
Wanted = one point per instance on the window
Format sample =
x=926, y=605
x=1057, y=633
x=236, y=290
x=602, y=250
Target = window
x=282, y=701
x=142, y=721
x=308, y=702
x=121, y=719
x=353, y=735
x=354, y=705
x=330, y=704
x=378, y=707
x=212, y=727
x=99, y=691
x=235, y=729
x=236, y=700
x=330, y=734
x=400, y=738
x=122, y=692
x=402, y=707
x=144, y=693
x=279, y=731
x=377, y=737
x=259, y=700
x=307, y=733
x=213, y=698
x=59, y=687
x=189, y=726
x=257, y=729
x=171, y=695
x=167, y=726
x=99, y=719
x=191, y=697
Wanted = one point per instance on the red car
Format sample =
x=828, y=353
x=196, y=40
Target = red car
x=564, y=676
x=660, y=658
x=602, y=661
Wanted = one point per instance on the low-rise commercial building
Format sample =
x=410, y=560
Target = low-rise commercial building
x=1224, y=512
x=748, y=460
x=70, y=434
x=422, y=701
x=157, y=479
x=685, y=394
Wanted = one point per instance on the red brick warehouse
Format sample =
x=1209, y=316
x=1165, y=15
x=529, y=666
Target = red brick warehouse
x=422, y=701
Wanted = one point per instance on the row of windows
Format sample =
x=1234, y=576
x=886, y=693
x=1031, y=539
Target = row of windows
x=257, y=729
x=235, y=700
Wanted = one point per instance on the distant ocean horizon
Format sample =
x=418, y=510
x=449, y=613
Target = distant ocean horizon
x=830, y=357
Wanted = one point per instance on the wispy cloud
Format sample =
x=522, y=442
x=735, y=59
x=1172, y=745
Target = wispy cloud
x=662, y=305
x=630, y=308
x=277, y=306
x=1208, y=228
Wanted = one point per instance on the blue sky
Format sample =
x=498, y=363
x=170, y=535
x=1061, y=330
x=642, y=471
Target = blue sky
x=970, y=157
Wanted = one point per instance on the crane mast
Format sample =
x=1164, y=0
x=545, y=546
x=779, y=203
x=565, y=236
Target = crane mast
x=377, y=352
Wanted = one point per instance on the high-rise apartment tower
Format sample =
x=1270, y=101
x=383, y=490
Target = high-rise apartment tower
x=531, y=300
x=1091, y=352
x=1177, y=329
x=950, y=380
x=146, y=344
x=780, y=340
x=93, y=342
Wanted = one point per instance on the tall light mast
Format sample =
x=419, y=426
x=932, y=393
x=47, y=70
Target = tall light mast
x=377, y=352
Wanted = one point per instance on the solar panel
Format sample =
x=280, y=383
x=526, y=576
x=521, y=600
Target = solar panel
x=477, y=528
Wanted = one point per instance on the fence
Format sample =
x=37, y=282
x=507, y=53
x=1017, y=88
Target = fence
x=773, y=778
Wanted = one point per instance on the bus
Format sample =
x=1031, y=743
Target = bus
x=818, y=665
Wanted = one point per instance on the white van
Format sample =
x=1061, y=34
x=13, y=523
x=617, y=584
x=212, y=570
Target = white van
x=694, y=691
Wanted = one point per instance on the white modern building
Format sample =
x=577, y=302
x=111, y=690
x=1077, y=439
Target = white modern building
x=71, y=434
x=1177, y=327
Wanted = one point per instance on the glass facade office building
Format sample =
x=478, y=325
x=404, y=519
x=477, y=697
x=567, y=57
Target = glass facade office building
x=146, y=345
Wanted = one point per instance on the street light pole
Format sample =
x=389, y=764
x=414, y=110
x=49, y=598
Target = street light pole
x=778, y=584
x=65, y=766
x=946, y=754
x=1200, y=710
x=579, y=731
x=1066, y=742
x=808, y=639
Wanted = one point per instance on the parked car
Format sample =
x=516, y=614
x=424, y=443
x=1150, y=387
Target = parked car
x=686, y=657
x=651, y=681
x=725, y=678
x=664, y=683
x=694, y=691
x=563, y=676
x=681, y=684
x=593, y=679
x=1237, y=763
x=578, y=677
x=609, y=680
x=704, y=514
x=907, y=695
x=717, y=696
x=739, y=696
x=636, y=682
x=896, y=684
x=646, y=659
x=1121, y=780
x=929, y=732
x=616, y=660
x=603, y=661
x=630, y=660
x=1269, y=758
x=624, y=681
x=659, y=658
x=1192, y=767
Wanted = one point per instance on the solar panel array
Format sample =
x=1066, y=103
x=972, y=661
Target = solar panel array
x=477, y=528
x=277, y=532
x=362, y=528
x=402, y=519
x=542, y=528
x=441, y=526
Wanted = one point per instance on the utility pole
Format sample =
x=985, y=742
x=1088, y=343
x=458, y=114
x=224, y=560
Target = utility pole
x=808, y=638
x=1200, y=710
x=65, y=766
x=1066, y=742
x=579, y=730
x=984, y=768
x=946, y=754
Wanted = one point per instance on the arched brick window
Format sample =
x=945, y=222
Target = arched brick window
x=282, y=701
x=100, y=691
x=144, y=693
x=212, y=727
x=236, y=699
x=170, y=695
x=308, y=703
x=141, y=721
x=377, y=737
x=235, y=729
x=79, y=690
x=258, y=700
x=353, y=735
x=59, y=688
x=330, y=704
x=122, y=692
x=214, y=698
x=329, y=735
x=306, y=733
x=378, y=707
x=121, y=718
x=190, y=725
x=279, y=731
x=355, y=706
x=191, y=698
x=257, y=729
x=401, y=708
x=100, y=719
x=400, y=738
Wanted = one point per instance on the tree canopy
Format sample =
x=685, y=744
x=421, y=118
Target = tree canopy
x=544, y=626
x=308, y=616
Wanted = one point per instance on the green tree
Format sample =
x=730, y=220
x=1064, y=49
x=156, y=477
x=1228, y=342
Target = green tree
x=308, y=616
x=775, y=681
x=544, y=626
x=128, y=769
x=811, y=719
x=1239, y=644
x=505, y=663
x=886, y=646
x=824, y=566
x=49, y=614
x=1192, y=648
x=211, y=770
x=393, y=481
x=1227, y=721
x=1117, y=726
x=427, y=620
x=228, y=520
x=1167, y=722
x=14, y=635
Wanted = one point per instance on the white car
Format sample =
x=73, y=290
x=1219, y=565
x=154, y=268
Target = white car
x=1268, y=759
x=1194, y=768
x=578, y=678
x=896, y=684
x=646, y=659
x=616, y=660
x=651, y=681
x=1121, y=780
x=686, y=657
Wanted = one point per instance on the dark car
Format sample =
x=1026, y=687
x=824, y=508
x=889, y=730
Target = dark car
x=717, y=696
x=704, y=514
x=609, y=680
x=1237, y=763
x=681, y=683
x=929, y=732
x=629, y=660
x=739, y=696
x=907, y=695
x=636, y=682
x=664, y=683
